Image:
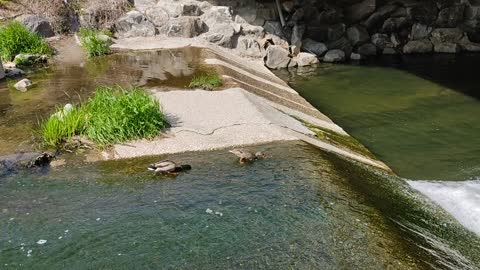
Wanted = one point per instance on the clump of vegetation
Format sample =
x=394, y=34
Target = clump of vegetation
x=96, y=42
x=207, y=81
x=16, y=39
x=113, y=115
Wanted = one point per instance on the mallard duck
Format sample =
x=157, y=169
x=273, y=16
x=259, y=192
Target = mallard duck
x=168, y=167
x=41, y=160
x=247, y=156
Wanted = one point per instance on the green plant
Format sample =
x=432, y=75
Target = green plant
x=96, y=42
x=113, y=115
x=207, y=81
x=16, y=39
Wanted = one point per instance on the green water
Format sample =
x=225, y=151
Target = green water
x=298, y=209
x=421, y=129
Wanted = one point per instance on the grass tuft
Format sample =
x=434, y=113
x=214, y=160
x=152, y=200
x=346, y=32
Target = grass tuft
x=207, y=81
x=16, y=39
x=96, y=42
x=113, y=115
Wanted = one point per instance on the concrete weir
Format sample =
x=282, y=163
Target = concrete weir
x=261, y=108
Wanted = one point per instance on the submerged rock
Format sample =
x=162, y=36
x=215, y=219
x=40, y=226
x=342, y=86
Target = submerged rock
x=23, y=85
x=24, y=160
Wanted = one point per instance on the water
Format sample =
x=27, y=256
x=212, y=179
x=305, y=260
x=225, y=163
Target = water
x=298, y=209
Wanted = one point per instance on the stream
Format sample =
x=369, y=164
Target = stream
x=300, y=208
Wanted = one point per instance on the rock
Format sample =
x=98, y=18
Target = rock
x=288, y=6
x=297, y=35
x=336, y=31
x=221, y=34
x=314, y=47
x=395, y=24
x=29, y=59
x=293, y=63
x=355, y=56
x=367, y=49
x=186, y=27
x=2, y=71
x=134, y=24
x=376, y=19
x=157, y=15
x=423, y=12
x=381, y=41
x=418, y=46
x=389, y=51
x=13, y=72
x=341, y=44
x=446, y=48
x=395, y=41
x=38, y=24
x=357, y=12
x=277, y=57
x=249, y=47
x=306, y=59
x=23, y=85
x=420, y=31
x=357, y=35
x=274, y=28
x=250, y=15
x=331, y=15
x=297, y=16
x=446, y=35
x=273, y=40
x=469, y=46
x=192, y=10
x=451, y=16
x=333, y=56
x=252, y=30
x=218, y=15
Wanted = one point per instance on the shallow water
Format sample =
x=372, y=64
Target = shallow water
x=292, y=210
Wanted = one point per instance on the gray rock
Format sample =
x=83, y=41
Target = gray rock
x=249, y=47
x=277, y=57
x=423, y=12
x=221, y=34
x=395, y=24
x=420, y=31
x=381, y=41
x=469, y=46
x=446, y=48
x=306, y=59
x=314, y=47
x=134, y=24
x=359, y=11
x=298, y=15
x=446, y=35
x=395, y=41
x=38, y=24
x=336, y=31
x=357, y=35
x=355, y=56
x=376, y=19
x=333, y=56
x=218, y=15
x=2, y=71
x=288, y=6
x=23, y=85
x=341, y=44
x=191, y=9
x=297, y=35
x=451, y=16
x=30, y=59
x=13, y=72
x=367, y=49
x=157, y=15
x=186, y=27
x=252, y=30
x=274, y=28
x=418, y=46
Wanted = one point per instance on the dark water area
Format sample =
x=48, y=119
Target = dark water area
x=298, y=209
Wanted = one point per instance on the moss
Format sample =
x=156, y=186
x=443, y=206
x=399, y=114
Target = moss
x=207, y=81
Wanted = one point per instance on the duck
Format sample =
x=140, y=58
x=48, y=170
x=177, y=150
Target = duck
x=168, y=167
x=246, y=155
x=41, y=160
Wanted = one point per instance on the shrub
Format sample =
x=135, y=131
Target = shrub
x=16, y=39
x=95, y=42
x=207, y=81
x=113, y=115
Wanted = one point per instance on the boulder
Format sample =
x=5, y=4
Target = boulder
x=293, y=63
x=446, y=35
x=376, y=19
x=451, y=16
x=469, y=46
x=341, y=44
x=423, y=12
x=314, y=47
x=288, y=6
x=134, y=24
x=367, y=49
x=2, y=71
x=218, y=15
x=331, y=15
x=297, y=16
x=274, y=28
x=418, y=46
x=381, y=41
x=157, y=15
x=38, y=24
x=221, y=34
x=13, y=72
x=336, y=31
x=277, y=57
x=306, y=59
x=252, y=30
x=249, y=47
x=357, y=35
x=23, y=85
x=420, y=31
x=191, y=9
x=186, y=27
x=446, y=48
x=395, y=24
x=355, y=56
x=359, y=11
x=297, y=35
x=333, y=56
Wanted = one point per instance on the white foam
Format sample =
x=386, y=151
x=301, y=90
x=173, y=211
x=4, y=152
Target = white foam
x=460, y=199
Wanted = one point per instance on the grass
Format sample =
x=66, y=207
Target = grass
x=92, y=40
x=207, y=81
x=16, y=39
x=113, y=115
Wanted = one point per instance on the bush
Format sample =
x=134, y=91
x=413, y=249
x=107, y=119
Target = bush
x=16, y=39
x=113, y=115
x=207, y=81
x=96, y=43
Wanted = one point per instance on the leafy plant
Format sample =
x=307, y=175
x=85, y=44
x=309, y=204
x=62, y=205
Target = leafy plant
x=16, y=39
x=113, y=115
x=207, y=81
x=96, y=42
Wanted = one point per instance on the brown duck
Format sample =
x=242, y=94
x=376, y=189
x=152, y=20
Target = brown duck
x=168, y=167
x=247, y=156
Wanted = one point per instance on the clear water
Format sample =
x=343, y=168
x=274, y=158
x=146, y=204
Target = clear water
x=298, y=209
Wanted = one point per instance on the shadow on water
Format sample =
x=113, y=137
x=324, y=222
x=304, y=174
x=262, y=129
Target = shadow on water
x=299, y=209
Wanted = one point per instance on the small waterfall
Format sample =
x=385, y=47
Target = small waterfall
x=461, y=199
